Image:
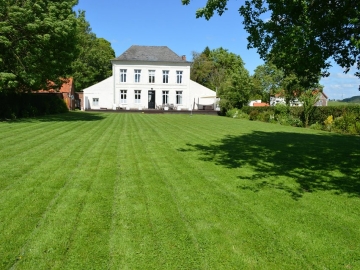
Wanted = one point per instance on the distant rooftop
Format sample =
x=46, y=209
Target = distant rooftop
x=150, y=53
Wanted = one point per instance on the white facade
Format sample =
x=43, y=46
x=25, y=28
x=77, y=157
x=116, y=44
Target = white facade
x=148, y=85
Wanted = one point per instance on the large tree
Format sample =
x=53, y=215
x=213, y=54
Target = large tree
x=93, y=62
x=223, y=71
x=37, y=43
x=300, y=36
x=267, y=79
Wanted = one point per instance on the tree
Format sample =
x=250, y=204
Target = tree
x=300, y=36
x=224, y=72
x=93, y=62
x=202, y=68
x=37, y=43
x=267, y=80
x=309, y=99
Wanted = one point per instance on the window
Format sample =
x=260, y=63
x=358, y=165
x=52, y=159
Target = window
x=165, y=97
x=137, y=96
x=151, y=76
x=95, y=102
x=165, y=76
x=123, y=96
x=179, y=76
x=178, y=97
x=122, y=75
x=137, y=75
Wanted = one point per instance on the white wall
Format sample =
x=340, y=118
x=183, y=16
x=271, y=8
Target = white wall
x=108, y=90
x=103, y=91
x=201, y=95
x=130, y=85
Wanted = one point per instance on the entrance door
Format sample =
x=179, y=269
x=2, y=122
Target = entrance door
x=151, y=99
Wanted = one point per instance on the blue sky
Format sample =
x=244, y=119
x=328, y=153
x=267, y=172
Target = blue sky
x=169, y=23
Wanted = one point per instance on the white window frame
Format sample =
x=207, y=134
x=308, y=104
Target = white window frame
x=179, y=76
x=123, y=96
x=165, y=76
x=137, y=75
x=137, y=96
x=165, y=97
x=95, y=102
x=179, y=97
x=151, y=76
x=123, y=75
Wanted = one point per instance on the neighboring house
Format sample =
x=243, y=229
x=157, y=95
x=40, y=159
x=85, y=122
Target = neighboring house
x=149, y=77
x=279, y=99
x=323, y=99
x=258, y=103
x=66, y=92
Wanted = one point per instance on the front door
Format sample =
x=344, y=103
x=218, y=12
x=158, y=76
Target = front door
x=151, y=99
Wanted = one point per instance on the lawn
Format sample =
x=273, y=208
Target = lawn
x=142, y=191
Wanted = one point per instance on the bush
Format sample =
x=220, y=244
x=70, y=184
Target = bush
x=346, y=119
x=316, y=126
x=23, y=105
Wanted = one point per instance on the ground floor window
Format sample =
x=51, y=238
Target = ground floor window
x=179, y=97
x=137, y=96
x=95, y=102
x=165, y=97
x=123, y=94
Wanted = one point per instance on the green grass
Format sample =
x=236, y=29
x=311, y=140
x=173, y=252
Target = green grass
x=142, y=191
x=342, y=103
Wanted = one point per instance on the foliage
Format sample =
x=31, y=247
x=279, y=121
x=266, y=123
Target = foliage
x=224, y=72
x=37, y=43
x=355, y=99
x=309, y=99
x=316, y=126
x=93, y=62
x=267, y=79
x=300, y=36
x=346, y=119
x=329, y=122
x=23, y=105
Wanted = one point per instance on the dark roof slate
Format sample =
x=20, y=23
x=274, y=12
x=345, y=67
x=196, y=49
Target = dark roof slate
x=150, y=53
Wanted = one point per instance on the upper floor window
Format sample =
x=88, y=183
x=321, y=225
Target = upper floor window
x=137, y=75
x=137, y=96
x=151, y=76
x=123, y=94
x=179, y=76
x=123, y=75
x=165, y=76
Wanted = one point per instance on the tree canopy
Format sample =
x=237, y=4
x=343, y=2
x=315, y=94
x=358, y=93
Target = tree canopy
x=300, y=36
x=37, y=43
x=92, y=64
x=223, y=71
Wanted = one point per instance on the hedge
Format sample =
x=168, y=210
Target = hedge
x=343, y=118
x=23, y=105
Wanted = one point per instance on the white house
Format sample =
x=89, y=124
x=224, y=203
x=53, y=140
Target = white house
x=149, y=77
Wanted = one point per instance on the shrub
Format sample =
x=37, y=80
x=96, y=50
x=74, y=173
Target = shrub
x=329, y=122
x=316, y=126
x=22, y=105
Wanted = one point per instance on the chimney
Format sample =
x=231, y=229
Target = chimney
x=183, y=57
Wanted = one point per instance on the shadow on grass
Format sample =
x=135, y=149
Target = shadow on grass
x=65, y=117
x=294, y=162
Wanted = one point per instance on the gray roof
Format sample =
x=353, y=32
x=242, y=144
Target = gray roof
x=150, y=53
